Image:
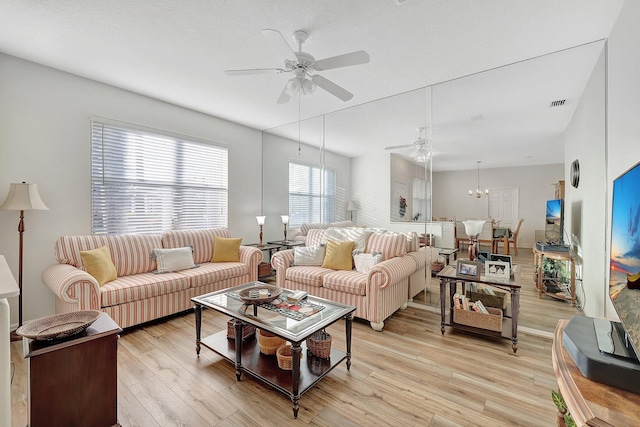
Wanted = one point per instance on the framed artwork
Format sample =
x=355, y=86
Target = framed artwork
x=499, y=257
x=466, y=268
x=484, y=256
x=497, y=269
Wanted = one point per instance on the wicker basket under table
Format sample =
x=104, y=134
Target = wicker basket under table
x=268, y=342
x=319, y=344
x=247, y=331
x=491, y=321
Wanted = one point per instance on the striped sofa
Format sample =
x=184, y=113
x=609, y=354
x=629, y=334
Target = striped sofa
x=138, y=295
x=376, y=295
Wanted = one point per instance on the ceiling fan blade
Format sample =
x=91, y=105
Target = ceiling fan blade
x=254, y=71
x=353, y=58
x=277, y=42
x=284, y=96
x=332, y=88
x=396, y=147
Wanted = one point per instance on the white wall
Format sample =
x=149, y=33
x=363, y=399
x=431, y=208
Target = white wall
x=623, y=102
x=585, y=206
x=45, y=139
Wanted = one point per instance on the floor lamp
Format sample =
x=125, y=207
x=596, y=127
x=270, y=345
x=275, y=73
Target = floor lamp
x=22, y=197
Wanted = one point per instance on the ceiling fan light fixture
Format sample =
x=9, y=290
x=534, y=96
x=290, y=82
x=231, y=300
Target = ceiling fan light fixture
x=308, y=86
x=293, y=86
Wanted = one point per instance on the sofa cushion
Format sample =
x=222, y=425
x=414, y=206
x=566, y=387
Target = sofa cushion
x=338, y=255
x=226, y=249
x=176, y=259
x=202, y=241
x=130, y=253
x=141, y=286
x=313, y=255
x=98, y=264
x=350, y=282
x=211, y=272
x=364, y=262
x=389, y=245
x=315, y=237
x=354, y=234
x=306, y=275
x=413, y=241
x=306, y=227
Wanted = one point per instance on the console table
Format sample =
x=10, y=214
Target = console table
x=591, y=403
x=538, y=256
x=448, y=276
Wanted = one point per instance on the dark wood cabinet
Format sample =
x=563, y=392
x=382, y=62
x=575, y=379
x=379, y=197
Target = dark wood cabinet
x=74, y=382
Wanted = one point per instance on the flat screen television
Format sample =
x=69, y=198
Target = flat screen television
x=624, y=263
x=554, y=224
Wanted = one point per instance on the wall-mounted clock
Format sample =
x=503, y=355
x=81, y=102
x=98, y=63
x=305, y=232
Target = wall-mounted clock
x=575, y=173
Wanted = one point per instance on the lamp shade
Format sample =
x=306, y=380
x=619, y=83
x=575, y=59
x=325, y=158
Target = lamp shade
x=285, y=219
x=473, y=227
x=261, y=219
x=23, y=197
x=351, y=206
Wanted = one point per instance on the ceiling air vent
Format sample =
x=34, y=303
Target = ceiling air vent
x=558, y=103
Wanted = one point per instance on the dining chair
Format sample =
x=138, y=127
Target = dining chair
x=513, y=239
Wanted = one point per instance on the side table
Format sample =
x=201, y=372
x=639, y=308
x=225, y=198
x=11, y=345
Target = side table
x=287, y=243
x=74, y=382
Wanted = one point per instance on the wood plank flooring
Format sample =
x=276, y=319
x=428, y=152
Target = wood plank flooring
x=409, y=374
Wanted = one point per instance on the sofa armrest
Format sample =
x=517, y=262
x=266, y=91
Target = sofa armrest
x=73, y=286
x=389, y=272
x=251, y=256
x=280, y=261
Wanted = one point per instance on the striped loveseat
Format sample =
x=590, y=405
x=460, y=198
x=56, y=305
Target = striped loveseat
x=138, y=294
x=376, y=294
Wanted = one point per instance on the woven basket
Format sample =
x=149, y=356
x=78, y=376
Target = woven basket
x=319, y=344
x=247, y=331
x=285, y=358
x=268, y=342
x=491, y=321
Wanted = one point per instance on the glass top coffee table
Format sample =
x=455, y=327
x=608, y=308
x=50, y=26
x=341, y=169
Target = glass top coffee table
x=295, y=325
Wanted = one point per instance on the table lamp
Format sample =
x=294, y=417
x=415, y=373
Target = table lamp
x=351, y=206
x=260, y=220
x=285, y=221
x=22, y=197
x=473, y=229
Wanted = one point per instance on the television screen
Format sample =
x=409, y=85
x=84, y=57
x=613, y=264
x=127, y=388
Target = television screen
x=624, y=265
x=553, y=225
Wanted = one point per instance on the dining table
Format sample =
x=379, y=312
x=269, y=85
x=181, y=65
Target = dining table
x=503, y=234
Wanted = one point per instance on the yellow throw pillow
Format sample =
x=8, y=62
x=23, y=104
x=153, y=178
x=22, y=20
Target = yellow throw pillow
x=338, y=255
x=226, y=250
x=98, y=263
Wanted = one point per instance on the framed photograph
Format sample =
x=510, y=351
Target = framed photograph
x=498, y=257
x=468, y=268
x=484, y=256
x=497, y=269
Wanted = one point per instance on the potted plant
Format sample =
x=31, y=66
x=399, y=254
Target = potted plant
x=564, y=416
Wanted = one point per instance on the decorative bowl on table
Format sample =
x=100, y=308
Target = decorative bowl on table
x=253, y=295
x=59, y=326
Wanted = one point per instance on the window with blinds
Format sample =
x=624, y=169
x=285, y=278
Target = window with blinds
x=145, y=182
x=312, y=194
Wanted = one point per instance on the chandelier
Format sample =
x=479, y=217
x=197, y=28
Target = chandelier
x=478, y=192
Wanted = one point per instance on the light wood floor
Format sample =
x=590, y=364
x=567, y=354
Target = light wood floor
x=407, y=375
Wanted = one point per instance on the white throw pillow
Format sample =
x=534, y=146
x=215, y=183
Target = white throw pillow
x=177, y=259
x=364, y=262
x=312, y=255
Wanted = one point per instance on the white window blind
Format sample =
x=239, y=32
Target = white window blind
x=145, y=182
x=312, y=194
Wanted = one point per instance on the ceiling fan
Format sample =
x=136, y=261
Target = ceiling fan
x=417, y=150
x=303, y=67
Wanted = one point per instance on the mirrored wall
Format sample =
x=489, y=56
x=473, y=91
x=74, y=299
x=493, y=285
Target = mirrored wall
x=501, y=117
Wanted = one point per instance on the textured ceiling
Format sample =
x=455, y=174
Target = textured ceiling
x=177, y=51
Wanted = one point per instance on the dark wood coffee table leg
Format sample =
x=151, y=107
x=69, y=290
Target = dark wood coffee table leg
x=238, y=326
x=348, y=325
x=198, y=327
x=296, y=352
x=443, y=298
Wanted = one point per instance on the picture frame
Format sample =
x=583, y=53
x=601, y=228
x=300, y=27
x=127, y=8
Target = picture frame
x=466, y=268
x=483, y=256
x=500, y=257
x=497, y=269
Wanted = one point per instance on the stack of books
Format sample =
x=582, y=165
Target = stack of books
x=461, y=302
